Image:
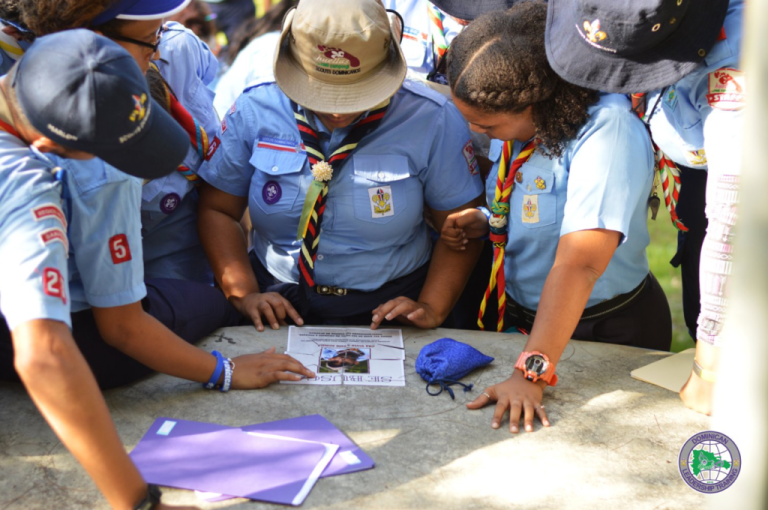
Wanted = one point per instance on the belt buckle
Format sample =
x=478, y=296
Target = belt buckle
x=327, y=290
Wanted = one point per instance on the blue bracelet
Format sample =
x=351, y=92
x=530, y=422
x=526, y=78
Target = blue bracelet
x=229, y=368
x=217, y=372
x=487, y=214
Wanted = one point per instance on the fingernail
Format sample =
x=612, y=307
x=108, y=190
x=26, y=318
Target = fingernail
x=462, y=248
x=296, y=377
x=375, y=318
x=528, y=428
x=275, y=326
x=495, y=425
x=465, y=241
x=514, y=429
x=300, y=322
x=409, y=316
x=546, y=424
x=388, y=317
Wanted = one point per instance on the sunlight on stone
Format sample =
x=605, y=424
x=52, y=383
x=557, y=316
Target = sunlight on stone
x=373, y=438
x=612, y=400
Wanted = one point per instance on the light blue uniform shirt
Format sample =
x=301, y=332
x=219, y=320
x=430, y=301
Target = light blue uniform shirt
x=417, y=46
x=254, y=62
x=105, y=252
x=169, y=205
x=33, y=254
x=698, y=121
x=602, y=180
x=373, y=229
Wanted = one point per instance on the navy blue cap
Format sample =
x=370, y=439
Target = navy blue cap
x=140, y=10
x=86, y=93
x=471, y=9
x=628, y=46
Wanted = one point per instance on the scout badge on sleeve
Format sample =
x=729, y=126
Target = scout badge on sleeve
x=445, y=361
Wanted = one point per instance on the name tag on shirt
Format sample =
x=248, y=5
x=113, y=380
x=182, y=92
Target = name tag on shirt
x=530, y=209
x=381, y=201
x=279, y=144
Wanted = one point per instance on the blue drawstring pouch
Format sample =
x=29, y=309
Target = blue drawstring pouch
x=445, y=361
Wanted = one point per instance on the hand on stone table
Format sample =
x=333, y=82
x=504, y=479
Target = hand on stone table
x=518, y=396
x=272, y=306
x=259, y=370
x=407, y=311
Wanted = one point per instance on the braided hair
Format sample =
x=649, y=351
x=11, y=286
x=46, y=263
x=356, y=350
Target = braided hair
x=498, y=64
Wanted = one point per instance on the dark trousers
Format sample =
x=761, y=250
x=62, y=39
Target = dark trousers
x=644, y=321
x=354, y=309
x=191, y=310
x=690, y=209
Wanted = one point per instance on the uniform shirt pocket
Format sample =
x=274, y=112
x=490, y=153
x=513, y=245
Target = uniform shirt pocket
x=537, y=204
x=276, y=181
x=380, y=187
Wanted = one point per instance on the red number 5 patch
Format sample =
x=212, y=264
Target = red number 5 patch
x=53, y=284
x=119, y=248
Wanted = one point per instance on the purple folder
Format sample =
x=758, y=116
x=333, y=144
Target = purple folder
x=208, y=457
x=349, y=459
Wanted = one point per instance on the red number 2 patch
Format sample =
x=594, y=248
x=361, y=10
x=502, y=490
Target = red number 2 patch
x=119, y=248
x=53, y=284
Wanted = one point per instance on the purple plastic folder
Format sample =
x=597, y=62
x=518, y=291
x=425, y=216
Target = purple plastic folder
x=349, y=459
x=208, y=457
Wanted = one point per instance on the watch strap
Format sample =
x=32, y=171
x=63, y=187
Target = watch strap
x=151, y=499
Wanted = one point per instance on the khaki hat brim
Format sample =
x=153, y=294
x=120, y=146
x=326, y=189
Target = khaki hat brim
x=373, y=88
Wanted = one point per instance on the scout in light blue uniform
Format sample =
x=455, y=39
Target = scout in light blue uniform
x=603, y=180
x=255, y=61
x=417, y=44
x=33, y=254
x=169, y=205
x=698, y=123
x=373, y=229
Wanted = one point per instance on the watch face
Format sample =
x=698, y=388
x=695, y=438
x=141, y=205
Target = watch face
x=536, y=364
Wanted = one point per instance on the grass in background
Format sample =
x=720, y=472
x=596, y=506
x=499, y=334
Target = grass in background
x=661, y=250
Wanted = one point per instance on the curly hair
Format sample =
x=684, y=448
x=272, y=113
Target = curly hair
x=50, y=16
x=498, y=64
x=10, y=11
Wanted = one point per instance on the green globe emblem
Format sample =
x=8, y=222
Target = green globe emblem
x=710, y=462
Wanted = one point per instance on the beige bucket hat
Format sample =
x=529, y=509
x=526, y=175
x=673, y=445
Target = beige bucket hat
x=339, y=56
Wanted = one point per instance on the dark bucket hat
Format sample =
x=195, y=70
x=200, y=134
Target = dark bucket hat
x=628, y=46
x=471, y=9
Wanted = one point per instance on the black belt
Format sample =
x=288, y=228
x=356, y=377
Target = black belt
x=603, y=308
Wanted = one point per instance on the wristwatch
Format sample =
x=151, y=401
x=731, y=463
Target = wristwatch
x=151, y=500
x=535, y=366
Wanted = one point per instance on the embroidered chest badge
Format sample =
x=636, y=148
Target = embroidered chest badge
x=519, y=177
x=670, y=98
x=169, y=203
x=696, y=158
x=530, y=209
x=381, y=201
x=726, y=89
x=540, y=183
x=271, y=192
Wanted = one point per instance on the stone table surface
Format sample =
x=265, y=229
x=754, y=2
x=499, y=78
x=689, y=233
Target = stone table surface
x=614, y=441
